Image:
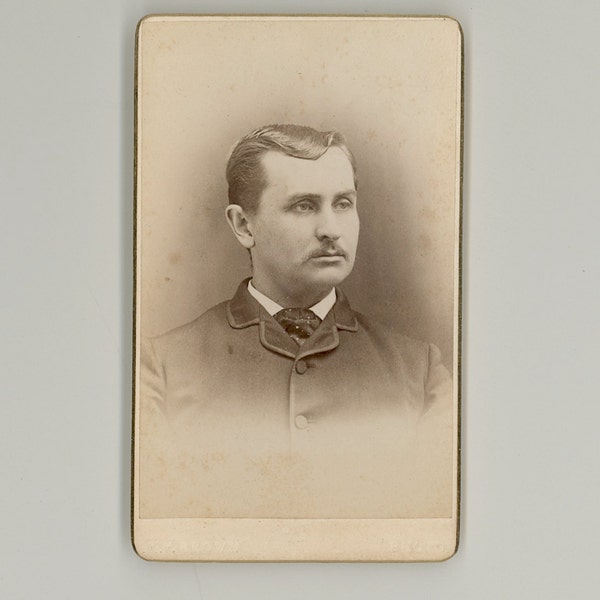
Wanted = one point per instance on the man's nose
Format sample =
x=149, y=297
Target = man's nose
x=328, y=226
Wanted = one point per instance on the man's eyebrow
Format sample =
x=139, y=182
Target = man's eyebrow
x=296, y=197
x=317, y=197
x=351, y=193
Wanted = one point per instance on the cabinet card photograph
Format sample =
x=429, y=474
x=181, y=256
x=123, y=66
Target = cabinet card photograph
x=297, y=288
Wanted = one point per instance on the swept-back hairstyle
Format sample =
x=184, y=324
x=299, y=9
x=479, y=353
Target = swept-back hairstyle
x=245, y=174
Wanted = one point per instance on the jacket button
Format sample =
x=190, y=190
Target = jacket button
x=301, y=422
x=301, y=367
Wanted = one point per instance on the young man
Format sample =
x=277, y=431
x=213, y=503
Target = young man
x=283, y=401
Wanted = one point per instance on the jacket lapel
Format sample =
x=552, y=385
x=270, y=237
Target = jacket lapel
x=244, y=311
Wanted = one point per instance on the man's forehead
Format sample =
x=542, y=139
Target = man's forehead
x=330, y=173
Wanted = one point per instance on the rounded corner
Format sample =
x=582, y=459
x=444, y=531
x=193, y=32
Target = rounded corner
x=458, y=25
x=140, y=24
x=141, y=552
x=453, y=551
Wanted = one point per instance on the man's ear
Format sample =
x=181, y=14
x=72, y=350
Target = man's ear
x=236, y=217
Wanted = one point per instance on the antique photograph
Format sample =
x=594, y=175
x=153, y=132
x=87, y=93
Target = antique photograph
x=297, y=335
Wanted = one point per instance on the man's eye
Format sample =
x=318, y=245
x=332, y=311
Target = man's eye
x=343, y=204
x=303, y=207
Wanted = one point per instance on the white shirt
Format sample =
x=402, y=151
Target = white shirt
x=320, y=309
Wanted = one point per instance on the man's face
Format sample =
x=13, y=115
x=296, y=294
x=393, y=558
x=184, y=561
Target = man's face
x=305, y=228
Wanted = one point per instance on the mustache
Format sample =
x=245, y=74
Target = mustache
x=331, y=249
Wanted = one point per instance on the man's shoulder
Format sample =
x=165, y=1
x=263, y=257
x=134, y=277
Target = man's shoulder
x=414, y=359
x=388, y=335
x=214, y=318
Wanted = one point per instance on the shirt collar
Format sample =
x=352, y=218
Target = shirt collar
x=243, y=310
x=320, y=309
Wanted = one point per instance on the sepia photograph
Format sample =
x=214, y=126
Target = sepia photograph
x=297, y=262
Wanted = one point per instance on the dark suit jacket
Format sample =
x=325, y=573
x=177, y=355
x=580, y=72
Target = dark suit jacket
x=232, y=398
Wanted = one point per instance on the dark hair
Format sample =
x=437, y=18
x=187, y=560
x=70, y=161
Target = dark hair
x=245, y=174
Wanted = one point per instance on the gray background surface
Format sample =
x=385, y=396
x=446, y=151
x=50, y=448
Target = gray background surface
x=531, y=478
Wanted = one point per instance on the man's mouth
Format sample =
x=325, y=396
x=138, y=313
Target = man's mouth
x=328, y=253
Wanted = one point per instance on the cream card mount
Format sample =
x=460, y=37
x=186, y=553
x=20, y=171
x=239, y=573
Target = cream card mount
x=284, y=165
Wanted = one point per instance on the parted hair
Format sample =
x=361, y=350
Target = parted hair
x=245, y=174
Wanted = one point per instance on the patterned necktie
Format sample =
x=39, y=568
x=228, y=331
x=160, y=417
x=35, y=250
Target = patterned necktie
x=299, y=323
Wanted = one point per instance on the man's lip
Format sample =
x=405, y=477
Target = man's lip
x=329, y=254
x=336, y=255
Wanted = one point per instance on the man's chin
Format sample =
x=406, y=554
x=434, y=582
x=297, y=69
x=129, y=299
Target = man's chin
x=328, y=276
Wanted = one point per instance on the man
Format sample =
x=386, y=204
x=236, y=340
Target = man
x=283, y=401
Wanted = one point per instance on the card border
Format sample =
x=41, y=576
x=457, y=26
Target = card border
x=292, y=543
